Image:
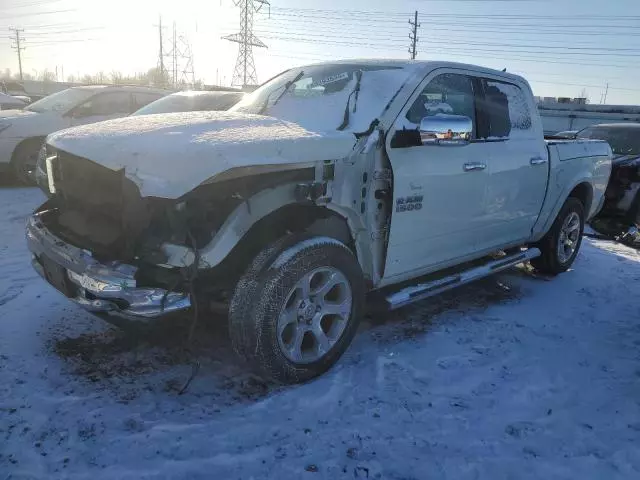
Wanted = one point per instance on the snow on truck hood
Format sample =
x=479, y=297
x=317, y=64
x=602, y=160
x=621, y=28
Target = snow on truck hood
x=168, y=155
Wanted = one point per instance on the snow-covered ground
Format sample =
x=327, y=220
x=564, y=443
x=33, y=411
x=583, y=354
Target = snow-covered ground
x=515, y=377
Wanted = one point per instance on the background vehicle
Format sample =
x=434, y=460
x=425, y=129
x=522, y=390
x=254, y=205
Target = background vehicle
x=9, y=102
x=558, y=117
x=191, y=101
x=15, y=90
x=22, y=132
x=620, y=216
x=327, y=182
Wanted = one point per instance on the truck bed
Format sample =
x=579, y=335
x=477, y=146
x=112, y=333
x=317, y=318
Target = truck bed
x=572, y=162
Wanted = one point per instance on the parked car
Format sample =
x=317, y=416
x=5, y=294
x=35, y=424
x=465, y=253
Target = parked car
x=16, y=90
x=9, y=102
x=620, y=216
x=191, y=101
x=22, y=132
x=327, y=183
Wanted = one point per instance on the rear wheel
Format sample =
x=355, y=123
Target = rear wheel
x=25, y=159
x=297, y=308
x=560, y=246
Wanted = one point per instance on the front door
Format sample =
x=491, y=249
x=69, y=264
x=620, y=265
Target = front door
x=438, y=191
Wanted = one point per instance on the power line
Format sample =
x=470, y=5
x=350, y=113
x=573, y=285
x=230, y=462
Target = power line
x=467, y=52
x=394, y=43
x=386, y=14
x=245, y=71
x=494, y=27
x=32, y=4
x=33, y=14
x=489, y=21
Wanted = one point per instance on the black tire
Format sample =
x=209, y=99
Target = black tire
x=261, y=294
x=549, y=262
x=25, y=159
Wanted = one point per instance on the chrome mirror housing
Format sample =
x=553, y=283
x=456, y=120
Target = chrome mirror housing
x=445, y=129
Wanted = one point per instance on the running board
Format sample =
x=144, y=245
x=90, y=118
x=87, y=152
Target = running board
x=421, y=291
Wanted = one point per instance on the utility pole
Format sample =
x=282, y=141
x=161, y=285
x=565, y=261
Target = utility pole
x=17, y=46
x=606, y=92
x=413, y=36
x=174, y=57
x=245, y=71
x=161, y=54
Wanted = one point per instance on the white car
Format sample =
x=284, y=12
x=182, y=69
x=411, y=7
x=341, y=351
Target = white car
x=192, y=101
x=330, y=184
x=22, y=132
x=9, y=102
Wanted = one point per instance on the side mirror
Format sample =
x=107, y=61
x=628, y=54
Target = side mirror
x=444, y=129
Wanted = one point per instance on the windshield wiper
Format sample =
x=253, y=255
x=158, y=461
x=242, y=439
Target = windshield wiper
x=356, y=91
x=286, y=88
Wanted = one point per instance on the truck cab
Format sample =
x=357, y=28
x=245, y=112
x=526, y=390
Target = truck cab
x=329, y=185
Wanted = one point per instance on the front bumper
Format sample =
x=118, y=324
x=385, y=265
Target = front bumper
x=99, y=288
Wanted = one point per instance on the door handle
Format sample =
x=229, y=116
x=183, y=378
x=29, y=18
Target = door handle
x=537, y=161
x=470, y=167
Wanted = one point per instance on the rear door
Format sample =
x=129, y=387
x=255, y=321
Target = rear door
x=518, y=162
x=438, y=200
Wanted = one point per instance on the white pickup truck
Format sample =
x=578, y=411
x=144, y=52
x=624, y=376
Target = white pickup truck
x=330, y=183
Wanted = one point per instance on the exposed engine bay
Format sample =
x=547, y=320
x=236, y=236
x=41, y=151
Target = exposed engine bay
x=102, y=211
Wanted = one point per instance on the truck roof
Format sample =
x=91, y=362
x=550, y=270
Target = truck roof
x=421, y=65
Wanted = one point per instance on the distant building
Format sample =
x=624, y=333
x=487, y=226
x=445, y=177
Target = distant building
x=575, y=115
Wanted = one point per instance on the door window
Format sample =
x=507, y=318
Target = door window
x=104, y=104
x=448, y=94
x=505, y=110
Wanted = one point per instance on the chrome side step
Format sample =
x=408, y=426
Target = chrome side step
x=421, y=291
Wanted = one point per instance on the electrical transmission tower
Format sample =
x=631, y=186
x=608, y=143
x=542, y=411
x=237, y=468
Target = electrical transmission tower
x=187, y=74
x=162, y=71
x=18, y=45
x=413, y=36
x=178, y=70
x=245, y=71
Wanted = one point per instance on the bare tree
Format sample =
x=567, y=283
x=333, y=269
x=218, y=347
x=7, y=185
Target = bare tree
x=47, y=75
x=116, y=77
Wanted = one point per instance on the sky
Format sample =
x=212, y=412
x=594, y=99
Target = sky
x=563, y=47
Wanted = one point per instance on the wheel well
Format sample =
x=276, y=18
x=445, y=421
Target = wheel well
x=39, y=140
x=292, y=218
x=584, y=193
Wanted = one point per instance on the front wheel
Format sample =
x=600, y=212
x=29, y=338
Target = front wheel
x=560, y=246
x=25, y=159
x=297, y=308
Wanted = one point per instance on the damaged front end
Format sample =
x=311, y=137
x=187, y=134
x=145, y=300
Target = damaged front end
x=620, y=215
x=110, y=288
x=105, y=247
x=115, y=252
